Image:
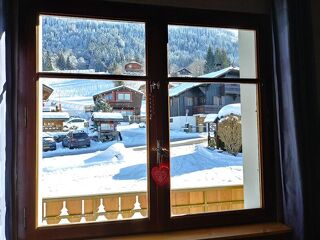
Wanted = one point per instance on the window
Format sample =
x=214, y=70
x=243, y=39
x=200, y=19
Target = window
x=109, y=97
x=123, y=96
x=148, y=161
x=189, y=101
x=216, y=100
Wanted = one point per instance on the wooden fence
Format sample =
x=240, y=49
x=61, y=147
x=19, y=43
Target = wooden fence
x=129, y=205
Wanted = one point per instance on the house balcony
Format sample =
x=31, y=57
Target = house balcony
x=206, y=109
x=230, y=89
x=132, y=205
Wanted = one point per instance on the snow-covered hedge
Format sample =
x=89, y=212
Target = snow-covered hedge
x=229, y=132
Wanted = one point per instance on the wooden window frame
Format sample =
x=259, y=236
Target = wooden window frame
x=157, y=19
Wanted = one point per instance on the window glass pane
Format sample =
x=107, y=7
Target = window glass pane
x=92, y=157
x=214, y=148
x=70, y=44
x=211, y=52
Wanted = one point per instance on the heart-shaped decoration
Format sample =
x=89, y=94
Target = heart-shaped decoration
x=161, y=174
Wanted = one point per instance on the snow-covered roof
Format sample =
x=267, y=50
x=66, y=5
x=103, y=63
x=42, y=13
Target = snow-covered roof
x=219, y=73
x=174, y=91
x=48, y=109
x=181, y=69
x=107, y=116
x=119, y=87
x=210, y=117
x=131, y=62
x=55, y=115
x=182, y=87
x=229, y=109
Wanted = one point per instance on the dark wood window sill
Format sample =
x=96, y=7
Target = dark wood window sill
x=269, y=231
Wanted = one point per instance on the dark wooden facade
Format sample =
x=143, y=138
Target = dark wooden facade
x=122, y=99
x=205, y=98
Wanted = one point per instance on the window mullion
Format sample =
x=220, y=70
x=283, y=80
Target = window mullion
x=158, y=114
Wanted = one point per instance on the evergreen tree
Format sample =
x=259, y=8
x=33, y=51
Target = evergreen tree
x=46, y=62
x=69, y=65
x=221, y=59
x=210, y=61
x=118, y=83
x=102, y=106
x=97, y=45
x=61, y=62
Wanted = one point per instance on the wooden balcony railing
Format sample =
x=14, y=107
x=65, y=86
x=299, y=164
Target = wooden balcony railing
x=130, y=205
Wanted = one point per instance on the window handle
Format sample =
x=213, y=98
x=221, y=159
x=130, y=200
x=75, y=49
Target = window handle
x=154, y=85
x=161, y=152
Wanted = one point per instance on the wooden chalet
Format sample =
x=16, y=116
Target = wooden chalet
x=133, y=67
x=53, y=121
x=122, y=99
x=183, y=72
x=46, y=92
x=204, y=98
x=106, y=124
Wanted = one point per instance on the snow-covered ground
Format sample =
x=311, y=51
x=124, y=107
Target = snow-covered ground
x=122, y=169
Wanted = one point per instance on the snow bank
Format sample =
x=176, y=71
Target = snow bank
x=230, y=109
x=121, y=169
x=114, y=153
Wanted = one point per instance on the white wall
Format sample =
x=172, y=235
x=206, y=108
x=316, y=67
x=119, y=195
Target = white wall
x=180, y=121
x=249, y=121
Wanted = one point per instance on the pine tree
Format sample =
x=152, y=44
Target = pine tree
x=47, y=62
x=210, y=61
x=102, y=106
x=118, y=83
x=69, y=65
x=61, y=62
x=221, y=59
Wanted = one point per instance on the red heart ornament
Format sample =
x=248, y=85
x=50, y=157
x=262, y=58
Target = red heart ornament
x=161, y=174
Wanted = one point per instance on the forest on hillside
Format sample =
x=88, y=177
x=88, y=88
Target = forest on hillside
x=105, y=46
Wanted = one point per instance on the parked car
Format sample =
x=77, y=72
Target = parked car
x=142, y=125
x=75, y=123
x=48, y=144
x=76, y=139
x=59, y=138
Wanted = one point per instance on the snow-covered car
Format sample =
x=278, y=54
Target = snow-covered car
x=75, y=123
x=142, y=125
x=48, y=144
x=76, y=139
